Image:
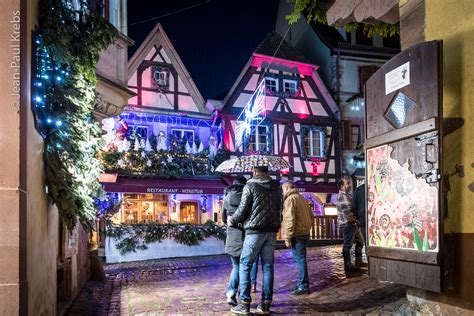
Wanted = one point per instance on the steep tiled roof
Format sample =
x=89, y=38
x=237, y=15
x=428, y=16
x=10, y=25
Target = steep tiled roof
x=270, y=44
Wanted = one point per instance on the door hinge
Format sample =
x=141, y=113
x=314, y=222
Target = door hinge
x=426, y=137
x=431, y=176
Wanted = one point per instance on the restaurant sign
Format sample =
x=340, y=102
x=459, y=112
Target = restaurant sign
x=175, y=190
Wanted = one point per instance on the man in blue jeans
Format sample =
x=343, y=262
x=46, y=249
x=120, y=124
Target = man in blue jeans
x=296, y=226
x=259, y=211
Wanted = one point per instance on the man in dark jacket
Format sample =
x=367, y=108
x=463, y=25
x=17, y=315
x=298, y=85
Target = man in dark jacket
x=235, y=235
x=260, y=213
x=358, y=209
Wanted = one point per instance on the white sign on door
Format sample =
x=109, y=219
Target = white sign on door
x=397, y=78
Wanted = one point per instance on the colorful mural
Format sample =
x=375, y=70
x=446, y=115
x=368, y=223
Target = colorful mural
x=402, y=209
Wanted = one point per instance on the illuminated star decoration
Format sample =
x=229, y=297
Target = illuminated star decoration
x=252, y=115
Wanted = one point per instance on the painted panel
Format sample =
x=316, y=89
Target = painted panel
x=186, y=103
x=331, y=168
x=242, y=100
x=309, y=92
x=270, y=102
x=318, y=109
x=276, y=141
x=402, y=209
x=252, y=83
x=165, y=56
x=146, y=78
x=171, y=82
x=297, y=127
x=158, y=100
x=298, y=106
x=133, y=100
x=297, y=165
x=133, y=79
x=150, y=54
x=158, y=59
x=181, y=86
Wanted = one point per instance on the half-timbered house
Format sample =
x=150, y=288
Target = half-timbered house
x=162, y=150
x=300, y=121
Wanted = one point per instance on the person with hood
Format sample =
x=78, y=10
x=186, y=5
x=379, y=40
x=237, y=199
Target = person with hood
x=235, y=235
x=260, y=213
x=296, y=226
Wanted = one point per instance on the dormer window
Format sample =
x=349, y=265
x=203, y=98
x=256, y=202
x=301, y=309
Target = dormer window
x=290, y=86
x=271, y=84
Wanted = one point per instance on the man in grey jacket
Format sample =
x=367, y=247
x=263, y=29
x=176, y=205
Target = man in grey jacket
x=260, y=213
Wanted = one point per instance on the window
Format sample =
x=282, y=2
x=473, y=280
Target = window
x=289, y=86
x=140, y=131
x=144, y=208
x=160, y=78
x=355, y=136
x=313, y=140
x=184, y=134
x=271, y=84
x=258, y=139
x=365, y=72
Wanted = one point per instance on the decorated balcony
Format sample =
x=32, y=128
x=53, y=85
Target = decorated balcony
x=160, y=146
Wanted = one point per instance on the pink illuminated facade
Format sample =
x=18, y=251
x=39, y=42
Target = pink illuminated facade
x=300, y=124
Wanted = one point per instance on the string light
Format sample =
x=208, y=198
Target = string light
x=139, y=119
x=45, y=70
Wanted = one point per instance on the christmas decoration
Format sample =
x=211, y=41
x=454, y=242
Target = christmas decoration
x=66, y=50
x=136, y=237
x=252, y=115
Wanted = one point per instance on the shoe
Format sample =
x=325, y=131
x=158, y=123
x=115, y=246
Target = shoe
x=232, y=301
x=298, y=292
x=361, y=264
x=351, y=268
x=254, y=288
x=242, y=309
x=264, y=308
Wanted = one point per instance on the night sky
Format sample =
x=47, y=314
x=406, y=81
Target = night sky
x=214, y=39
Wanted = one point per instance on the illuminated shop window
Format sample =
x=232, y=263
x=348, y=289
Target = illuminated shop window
x=145, y=208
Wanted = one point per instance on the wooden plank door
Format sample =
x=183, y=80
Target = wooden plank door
x=403, y=152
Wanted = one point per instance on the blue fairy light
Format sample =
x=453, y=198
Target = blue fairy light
x=59, y=123
x=38, y=99
x=49, y=121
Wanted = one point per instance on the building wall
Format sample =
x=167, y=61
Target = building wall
x=458, y=75
x=42, y=218
x=13, y=282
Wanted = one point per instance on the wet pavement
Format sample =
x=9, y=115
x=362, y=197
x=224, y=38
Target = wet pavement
x=196, y=286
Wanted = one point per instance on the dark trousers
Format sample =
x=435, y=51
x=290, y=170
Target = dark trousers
x=351, y=234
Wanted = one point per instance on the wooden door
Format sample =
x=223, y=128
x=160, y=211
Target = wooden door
x=403, y=152
x=189, y=212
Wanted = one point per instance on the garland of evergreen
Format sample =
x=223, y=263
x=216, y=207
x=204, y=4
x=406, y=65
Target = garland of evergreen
x=73, y=40
x=315, y=11
x=136, y=237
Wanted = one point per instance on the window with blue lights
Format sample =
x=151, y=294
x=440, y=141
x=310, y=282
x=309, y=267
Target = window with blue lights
x=139, y=131
x=183, y=134
x=313, y=141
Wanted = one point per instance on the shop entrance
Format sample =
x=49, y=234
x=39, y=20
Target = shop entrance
x=188, y=212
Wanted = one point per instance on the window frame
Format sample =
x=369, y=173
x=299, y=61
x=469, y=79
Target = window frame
x=285, y=81
x=275, y=80
x=184, y=130
x=310, y=129
x=352, y=136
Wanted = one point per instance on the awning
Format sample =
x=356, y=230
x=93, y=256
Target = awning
x=171, y=186
x=320, y=187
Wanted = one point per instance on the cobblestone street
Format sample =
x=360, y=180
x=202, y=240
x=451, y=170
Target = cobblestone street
x=197, y=286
